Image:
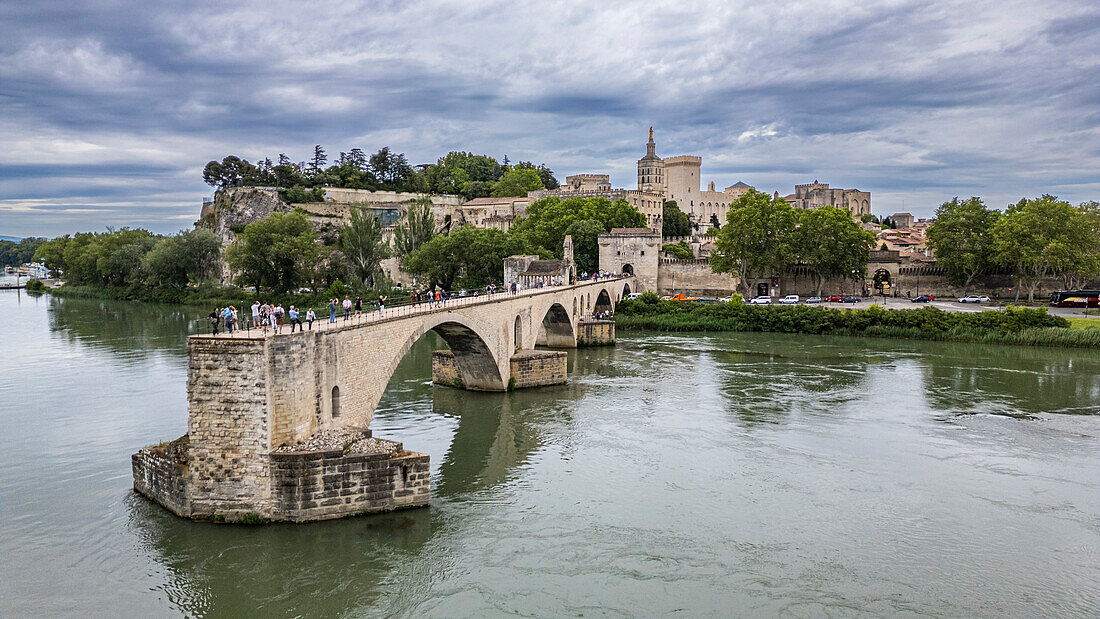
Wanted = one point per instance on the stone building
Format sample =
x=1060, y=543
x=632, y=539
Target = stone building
x=673, y=178
x=529, y=271
x=816, y=195
x=497, y=213
x=634, y=251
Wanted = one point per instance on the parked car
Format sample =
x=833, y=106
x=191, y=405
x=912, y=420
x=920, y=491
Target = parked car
x=726, y=299
x=761, y=301
x=922, y=299
x=833, y=299
x=850, y=299
x=814, y=300
x=974, y=298
x=791, y=299
x=634, y=295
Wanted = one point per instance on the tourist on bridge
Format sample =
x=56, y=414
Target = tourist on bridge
x=265, y=318
x=227, y=317
x=347, y=307
x=332, y=310
x=381, y=302
x=280, y=313
x=255, y=313
x=310, y=317
x=358, y=305
x=215, y=318
x=295, y=319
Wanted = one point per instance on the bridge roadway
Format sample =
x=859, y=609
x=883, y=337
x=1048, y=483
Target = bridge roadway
x=281, y=389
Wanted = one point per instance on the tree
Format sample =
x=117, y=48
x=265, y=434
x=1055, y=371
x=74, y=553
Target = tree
x=756, y=239
x=1043, y=237
x=548, y=219
x=14, y=254
x=417, y=229
x=961, y=239
x=830, y=244
x=714, y=223
x=317, y=164
x=362, y=243
x=231, y=172
x=279, y=252
x=586, y=246
x=517, y=182
x=674, y=221
x=188, y=257
x=392, y=169
x=468, y=257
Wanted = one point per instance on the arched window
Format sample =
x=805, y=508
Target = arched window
x=519, y=335
x=335, y=402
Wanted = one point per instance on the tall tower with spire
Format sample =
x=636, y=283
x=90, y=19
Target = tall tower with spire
x=651, y=169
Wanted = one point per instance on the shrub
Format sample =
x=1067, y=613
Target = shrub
x=35, y=286
x=679, y=250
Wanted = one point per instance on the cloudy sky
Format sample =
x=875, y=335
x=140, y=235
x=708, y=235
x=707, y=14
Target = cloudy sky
x=110, y=109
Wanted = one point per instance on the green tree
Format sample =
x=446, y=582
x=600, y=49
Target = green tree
x=674, y=221
x=363, y=244
x=391, y=169
x=15, y=254
x=1043, y=237
x=830, y=244
x=417, y=229
x=467, y=257
x=586, y=246
x=548, y=219
x=679, y=250
x=517, y=182
x=188, y=257
x=279, y=252
x=961, y=239
x=756, y=240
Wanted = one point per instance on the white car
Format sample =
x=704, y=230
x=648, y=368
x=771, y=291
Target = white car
x=761, y=301
x=726, y=299
x=974, y=298
x=634, y=295
x=791, y=299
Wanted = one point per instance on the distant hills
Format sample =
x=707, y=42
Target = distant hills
x=14, y=239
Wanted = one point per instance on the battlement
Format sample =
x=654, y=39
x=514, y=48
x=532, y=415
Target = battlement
x=684, y=160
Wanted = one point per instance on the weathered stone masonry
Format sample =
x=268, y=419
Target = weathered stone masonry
x=247, y=397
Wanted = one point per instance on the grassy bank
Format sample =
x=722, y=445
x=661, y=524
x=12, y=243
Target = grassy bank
x=1084, y=322
x=1013, y=325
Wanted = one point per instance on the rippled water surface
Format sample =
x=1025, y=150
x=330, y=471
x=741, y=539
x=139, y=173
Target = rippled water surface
x=692, y=474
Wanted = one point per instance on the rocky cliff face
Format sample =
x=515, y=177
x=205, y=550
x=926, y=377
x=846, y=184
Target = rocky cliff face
x=235, y=207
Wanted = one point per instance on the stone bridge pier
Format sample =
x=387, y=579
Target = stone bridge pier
x=254, y=402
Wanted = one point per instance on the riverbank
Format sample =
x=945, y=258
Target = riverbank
x=203, y=296
x=1012, y=325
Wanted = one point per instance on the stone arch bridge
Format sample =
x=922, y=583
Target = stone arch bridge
x=248, y=396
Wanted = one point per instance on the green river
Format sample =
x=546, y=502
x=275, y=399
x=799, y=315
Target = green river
x=685, y=474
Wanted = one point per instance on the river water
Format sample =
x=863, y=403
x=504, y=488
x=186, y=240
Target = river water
x=690, y=474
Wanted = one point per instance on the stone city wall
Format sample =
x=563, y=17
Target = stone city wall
x=693, y=277
x=161, y=474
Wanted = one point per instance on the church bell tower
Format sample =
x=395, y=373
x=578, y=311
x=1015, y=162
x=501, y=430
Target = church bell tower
x=651, y=169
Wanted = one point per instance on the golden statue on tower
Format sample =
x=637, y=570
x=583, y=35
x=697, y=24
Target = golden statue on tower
x=651, y=133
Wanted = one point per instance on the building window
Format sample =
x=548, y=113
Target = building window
x=335, y=402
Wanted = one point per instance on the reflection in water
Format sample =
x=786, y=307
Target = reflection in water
x=675, y=473
x=131, y=330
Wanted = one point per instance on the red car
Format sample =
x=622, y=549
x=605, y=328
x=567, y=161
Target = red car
x=834, y=299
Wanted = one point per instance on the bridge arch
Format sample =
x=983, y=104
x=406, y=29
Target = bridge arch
x=603, y=303
x=626, y=292
x=628, y=269
x=556, y=330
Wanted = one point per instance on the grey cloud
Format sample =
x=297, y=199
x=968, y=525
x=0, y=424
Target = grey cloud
x=917, y=98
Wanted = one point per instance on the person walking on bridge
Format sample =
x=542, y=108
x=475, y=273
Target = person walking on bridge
x=295, y=319
x=310, y=317
x=347, y=307
x=332, y=310
x=215, y=318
